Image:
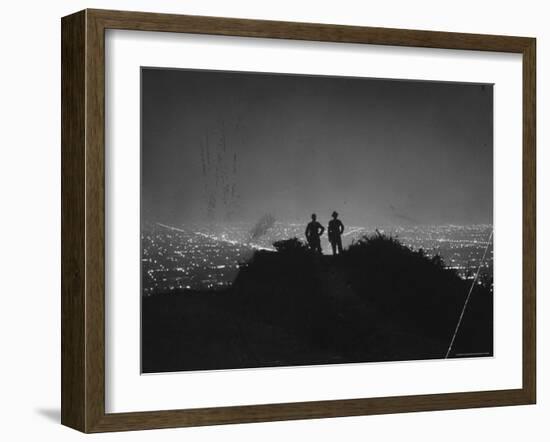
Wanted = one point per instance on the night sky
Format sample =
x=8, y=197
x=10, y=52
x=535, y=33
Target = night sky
x=228, y=146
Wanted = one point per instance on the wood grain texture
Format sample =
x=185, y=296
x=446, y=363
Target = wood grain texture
x=95, y=222
x=144, y=21
x=307, y=410
x=529, y=221
x=83, y=220
x=73, y=398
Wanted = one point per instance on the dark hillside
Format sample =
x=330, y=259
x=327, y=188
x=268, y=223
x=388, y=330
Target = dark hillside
x=377, y=301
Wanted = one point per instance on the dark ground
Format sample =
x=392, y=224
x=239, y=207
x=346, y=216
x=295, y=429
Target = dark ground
x=378, y=301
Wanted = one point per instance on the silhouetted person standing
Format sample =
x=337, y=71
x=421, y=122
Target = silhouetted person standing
x=335, y=230
x=314, y=230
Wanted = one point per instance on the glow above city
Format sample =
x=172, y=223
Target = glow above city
x=208, y=257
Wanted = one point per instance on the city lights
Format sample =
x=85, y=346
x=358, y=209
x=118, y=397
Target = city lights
x=176, y=259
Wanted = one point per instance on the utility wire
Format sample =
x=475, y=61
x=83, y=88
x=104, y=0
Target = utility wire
x=468, y=297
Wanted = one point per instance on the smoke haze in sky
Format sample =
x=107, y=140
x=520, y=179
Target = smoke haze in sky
x=219, y=146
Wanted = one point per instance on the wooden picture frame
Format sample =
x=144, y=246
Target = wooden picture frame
x=83, y=218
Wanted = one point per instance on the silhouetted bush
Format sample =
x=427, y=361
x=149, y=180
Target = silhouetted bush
x=290, y=245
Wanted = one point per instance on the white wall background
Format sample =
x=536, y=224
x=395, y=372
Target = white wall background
x=30, y=217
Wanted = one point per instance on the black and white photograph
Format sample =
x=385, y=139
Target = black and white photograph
x=256, y=222
x=300, y=220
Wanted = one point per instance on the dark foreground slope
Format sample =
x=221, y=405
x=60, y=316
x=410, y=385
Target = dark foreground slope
x=378, y=301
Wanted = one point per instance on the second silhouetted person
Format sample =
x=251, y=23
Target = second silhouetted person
x=335, y=230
